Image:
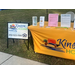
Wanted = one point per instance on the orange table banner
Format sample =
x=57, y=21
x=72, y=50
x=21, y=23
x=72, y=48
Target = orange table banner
x=55, y=41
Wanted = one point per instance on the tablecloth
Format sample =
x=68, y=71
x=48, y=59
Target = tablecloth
x=59, y=42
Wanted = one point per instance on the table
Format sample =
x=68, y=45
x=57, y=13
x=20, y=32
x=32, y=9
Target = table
x=59, y=42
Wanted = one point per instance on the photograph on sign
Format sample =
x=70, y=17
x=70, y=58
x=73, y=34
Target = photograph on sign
x=42, y=19
x=65, y=20
x=53, y=20
x=34, y=20
x=18, y=30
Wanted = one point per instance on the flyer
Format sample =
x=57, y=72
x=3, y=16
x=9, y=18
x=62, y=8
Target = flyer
x=34, y=20
x=42, y=19
x=65, y=20
x=53, y=20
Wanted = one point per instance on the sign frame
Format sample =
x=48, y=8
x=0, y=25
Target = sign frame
x=18, y=38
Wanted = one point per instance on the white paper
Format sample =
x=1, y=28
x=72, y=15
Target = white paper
x=42, y=19
x=34, y=20
x=65, y=20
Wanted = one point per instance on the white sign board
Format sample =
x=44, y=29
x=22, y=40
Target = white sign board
x=18, y=30
x=65, y=20
x=42, y=19
x=34, y=20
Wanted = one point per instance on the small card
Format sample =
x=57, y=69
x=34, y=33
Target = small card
x=34, y=20
x=53, y=20
x=65, y=20
x=42, y=19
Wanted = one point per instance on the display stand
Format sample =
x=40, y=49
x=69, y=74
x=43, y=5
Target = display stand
x=22, y=35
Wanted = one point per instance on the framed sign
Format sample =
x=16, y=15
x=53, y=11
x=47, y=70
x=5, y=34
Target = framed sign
x=53, y=20
x=65, y=20
x=18, y=30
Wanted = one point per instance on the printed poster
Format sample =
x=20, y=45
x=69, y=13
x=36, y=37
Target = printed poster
x=65, y=20
x=18, y=30
x=53, y=20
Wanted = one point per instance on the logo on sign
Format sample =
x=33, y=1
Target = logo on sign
x=24, y=35
x=12, y=26
x=15, y=27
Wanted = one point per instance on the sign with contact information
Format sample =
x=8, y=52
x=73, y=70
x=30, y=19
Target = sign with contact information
x=18, y=30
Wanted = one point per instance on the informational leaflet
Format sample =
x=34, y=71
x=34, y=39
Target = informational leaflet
x=42, y=19
x=53, y=20
x=34, y=20
x=18, y=30
x=65, y=20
